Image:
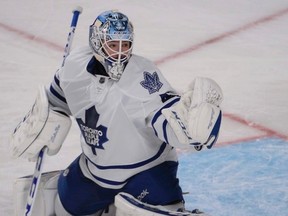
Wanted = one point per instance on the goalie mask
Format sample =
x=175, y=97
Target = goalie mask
x=111, y=39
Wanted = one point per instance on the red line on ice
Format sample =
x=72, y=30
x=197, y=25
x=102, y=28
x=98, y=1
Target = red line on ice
x=221, y=37
x=267, y=131
x=31, y=37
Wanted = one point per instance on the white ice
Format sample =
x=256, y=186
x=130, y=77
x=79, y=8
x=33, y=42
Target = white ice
x=248, y=58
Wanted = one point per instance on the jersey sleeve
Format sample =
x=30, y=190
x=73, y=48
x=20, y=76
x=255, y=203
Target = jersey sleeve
x=159, y=123
x=156, y=93
x=56, y=95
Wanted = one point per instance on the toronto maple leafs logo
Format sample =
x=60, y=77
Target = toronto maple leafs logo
x=151, y=82
x=95, y=136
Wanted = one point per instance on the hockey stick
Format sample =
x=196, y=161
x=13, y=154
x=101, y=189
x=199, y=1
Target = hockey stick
x=39, y=163
x=76, y=12
x=35, y=182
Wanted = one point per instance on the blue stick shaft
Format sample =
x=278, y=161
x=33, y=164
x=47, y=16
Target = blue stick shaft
x=35, y=182
x=73, y=25
x=76, y=14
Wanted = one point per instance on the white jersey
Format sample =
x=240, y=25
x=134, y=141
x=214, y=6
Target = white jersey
x=123, y=130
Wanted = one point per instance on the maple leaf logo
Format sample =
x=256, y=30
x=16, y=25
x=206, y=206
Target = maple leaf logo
x=95, y=136
x=151, y=82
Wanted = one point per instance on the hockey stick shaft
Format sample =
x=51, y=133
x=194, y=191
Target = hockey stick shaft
x=39, y=163
x=76, y=12
x=35, y=181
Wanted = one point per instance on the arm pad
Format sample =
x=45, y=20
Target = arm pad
x=42, y=126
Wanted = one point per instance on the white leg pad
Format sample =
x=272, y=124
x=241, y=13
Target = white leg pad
x=127, y=205
x=45, y=197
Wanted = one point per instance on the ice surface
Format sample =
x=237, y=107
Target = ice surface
x=242, y=179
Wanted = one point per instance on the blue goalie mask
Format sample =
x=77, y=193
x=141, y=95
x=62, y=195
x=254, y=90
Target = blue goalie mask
x=111, y=39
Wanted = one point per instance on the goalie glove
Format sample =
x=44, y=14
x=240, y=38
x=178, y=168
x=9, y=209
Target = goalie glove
x=196, y=118
x=42, y=126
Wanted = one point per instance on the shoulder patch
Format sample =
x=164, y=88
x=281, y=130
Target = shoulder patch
x=151, y=82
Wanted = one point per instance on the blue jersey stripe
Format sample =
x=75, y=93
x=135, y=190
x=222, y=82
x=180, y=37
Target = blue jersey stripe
x=57, y=81
x=164, y=127
x=136, y=165
x=130, y=166
x=57, y=95
x=102, y=179
x=158, y=113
